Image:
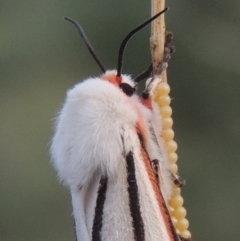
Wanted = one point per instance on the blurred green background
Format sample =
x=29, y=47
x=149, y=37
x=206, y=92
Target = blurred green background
x=42, y=56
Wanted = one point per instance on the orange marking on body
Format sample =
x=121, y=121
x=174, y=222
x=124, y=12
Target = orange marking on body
x=141, y=125
x=112, y=78
x=147, y=102
x=158, y=194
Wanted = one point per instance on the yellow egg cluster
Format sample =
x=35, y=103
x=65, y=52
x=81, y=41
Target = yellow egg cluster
x=176, y=210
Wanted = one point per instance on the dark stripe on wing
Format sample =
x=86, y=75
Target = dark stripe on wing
x=138, y=226
x=97, y=222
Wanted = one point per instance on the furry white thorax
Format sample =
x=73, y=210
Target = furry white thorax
x=95, y=127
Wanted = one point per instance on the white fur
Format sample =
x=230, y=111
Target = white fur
x=95, y=127
x=87, y=135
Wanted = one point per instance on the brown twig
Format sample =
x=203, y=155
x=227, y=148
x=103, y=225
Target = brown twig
x=157, y=38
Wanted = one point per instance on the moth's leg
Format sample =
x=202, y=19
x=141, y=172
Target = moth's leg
x=153, y=82
x=178, y=181
x=156, y=168
x=144, y=75
x=168, y=50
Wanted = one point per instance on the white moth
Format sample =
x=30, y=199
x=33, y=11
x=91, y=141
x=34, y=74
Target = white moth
x=107, y=149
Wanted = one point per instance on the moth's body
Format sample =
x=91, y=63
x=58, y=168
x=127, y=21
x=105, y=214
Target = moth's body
x=103, y=148
x=108, y=150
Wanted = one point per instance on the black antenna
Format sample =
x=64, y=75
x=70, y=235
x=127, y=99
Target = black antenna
x=87, y=43
x=126, y=39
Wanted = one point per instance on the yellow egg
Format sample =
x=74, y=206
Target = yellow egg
x=163, y=89
x=164, y=100
x=168, y=134
x=186, y=234
x=176, y=190
x=167, y=123
x=172, y=157
x=176, y=201
x=182, y=225
x=166, y=111
x=171, y=146
x=179, y=213
x=173, y=168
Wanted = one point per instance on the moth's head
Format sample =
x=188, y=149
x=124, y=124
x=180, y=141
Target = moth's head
x=116, y=77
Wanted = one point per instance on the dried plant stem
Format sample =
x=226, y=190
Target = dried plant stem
x=157, y=38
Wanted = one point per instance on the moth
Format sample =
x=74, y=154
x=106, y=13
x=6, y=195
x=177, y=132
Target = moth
x=107, y=149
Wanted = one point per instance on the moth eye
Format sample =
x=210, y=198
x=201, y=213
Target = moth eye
x=127, y=89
